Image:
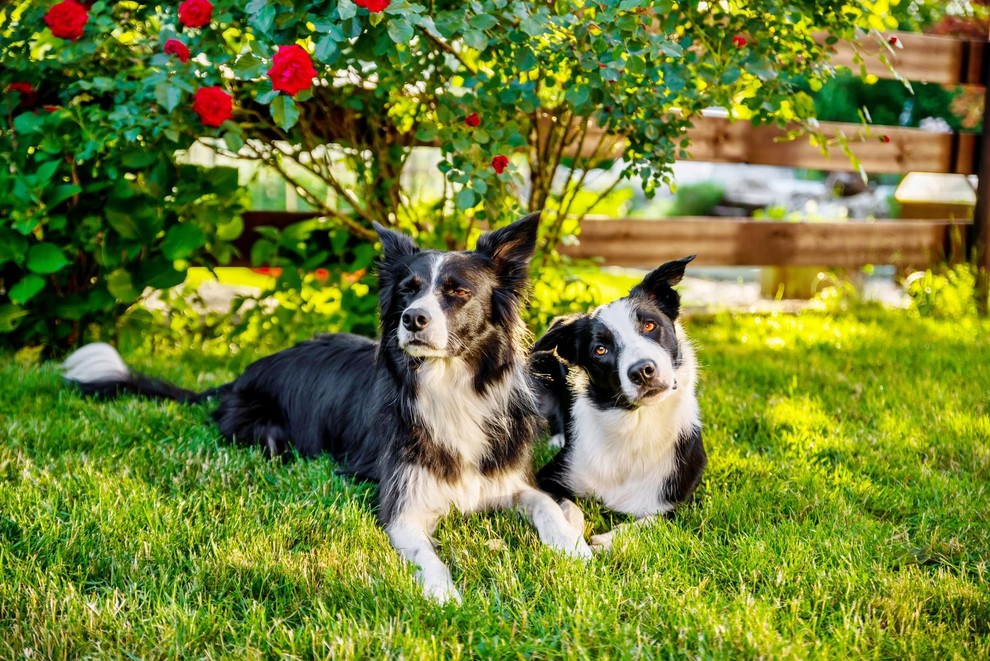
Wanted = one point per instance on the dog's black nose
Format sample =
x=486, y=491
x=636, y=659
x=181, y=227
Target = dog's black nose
x=415, y=320
x=642, y=372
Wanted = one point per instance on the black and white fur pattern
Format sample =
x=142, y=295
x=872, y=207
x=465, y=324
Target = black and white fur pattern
x=619, y=383
x=440, y=412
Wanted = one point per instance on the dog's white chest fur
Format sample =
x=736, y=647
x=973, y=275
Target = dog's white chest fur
x=623, y=457
x=459, y=418
x=456, y=415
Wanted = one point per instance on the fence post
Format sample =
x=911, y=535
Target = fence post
x=979, y=235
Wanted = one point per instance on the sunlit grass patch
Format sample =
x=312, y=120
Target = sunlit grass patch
x=844, y=514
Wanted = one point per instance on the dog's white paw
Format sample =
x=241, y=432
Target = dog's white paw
x=575, y=547
x=602, y=542
x=582, y=550
x=556, y=441
x=573, y=514
x=439, y=589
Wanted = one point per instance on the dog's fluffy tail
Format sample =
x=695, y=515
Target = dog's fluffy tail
x=99, y=371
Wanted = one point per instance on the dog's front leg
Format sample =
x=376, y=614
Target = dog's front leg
x=551, y=524
x=411, y=539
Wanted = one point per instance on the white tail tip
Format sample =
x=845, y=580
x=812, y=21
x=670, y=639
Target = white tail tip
x=95, y=362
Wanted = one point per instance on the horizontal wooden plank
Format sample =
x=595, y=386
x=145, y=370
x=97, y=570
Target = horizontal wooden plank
x=901, y=150
x=923, y=58
x=748, y=242
x=884, y=149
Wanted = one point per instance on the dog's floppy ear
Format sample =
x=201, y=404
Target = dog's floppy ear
x=659, y=285
x=395, y=245
x=511, y=248
x=563, y=338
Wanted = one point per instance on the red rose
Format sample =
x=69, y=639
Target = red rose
x=292, y=71
x=195, y=13
x=23, y=88
x=373, y=6
x=472, y=120
x=213, y=105
x=177, y=48
x=739, y=41
x=67, y=19
x=499, y=163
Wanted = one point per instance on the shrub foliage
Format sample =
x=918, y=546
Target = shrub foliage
x=101, y=99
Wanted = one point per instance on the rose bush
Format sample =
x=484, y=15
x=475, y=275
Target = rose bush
x=335, y=97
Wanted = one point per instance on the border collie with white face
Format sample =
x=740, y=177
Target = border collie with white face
x=440, y=412
x=620, y=384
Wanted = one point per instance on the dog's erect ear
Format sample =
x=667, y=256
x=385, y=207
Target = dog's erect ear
x=511, y=247
x=563, y=337
x=395, y=245
x=659, y=285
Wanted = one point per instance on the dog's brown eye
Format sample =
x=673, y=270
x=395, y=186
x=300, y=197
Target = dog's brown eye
x=460, y=292
x=600, y=350
x=649, y=327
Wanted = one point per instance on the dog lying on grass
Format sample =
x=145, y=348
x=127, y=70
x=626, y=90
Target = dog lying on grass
x=619, y=383
x=440, y=411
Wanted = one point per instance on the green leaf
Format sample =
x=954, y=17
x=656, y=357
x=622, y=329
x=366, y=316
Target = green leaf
x=222, y=179
x=123, y=223
x=46, y=258
x=45, y=172
x=465, y=198
x=182, y=240
x=483, y=21
x=59, y=194
x=577, y=95
x=119, y=284
x=233, y=140
x=262, y=15
x=230, y=230
x=167, y=95
x=284, y=112
x=262, y=252
x=248, y=66
x=10, y=315
x=25, y=290
x=159, y=273
x=13, y=246
x=138, y=159
x=27, y=123
x=326, y=49
x=533, y=25
x=400, y=31
x=346, y=9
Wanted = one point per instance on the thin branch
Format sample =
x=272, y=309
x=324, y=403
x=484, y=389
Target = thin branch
x=447, y=48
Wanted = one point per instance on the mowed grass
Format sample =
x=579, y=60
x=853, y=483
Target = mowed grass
x=844, y=514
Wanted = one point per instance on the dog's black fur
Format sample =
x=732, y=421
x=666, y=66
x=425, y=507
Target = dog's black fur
x=389, y=411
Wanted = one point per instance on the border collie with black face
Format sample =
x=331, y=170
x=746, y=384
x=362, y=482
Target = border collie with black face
x=620, y=383
x=440, y=411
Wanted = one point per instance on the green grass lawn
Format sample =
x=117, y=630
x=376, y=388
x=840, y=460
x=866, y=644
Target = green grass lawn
x=844, y=514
